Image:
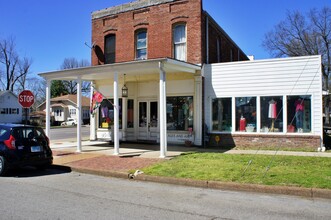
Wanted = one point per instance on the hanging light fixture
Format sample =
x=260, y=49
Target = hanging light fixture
x=124, y=89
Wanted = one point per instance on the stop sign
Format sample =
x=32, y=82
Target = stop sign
x=26, y=98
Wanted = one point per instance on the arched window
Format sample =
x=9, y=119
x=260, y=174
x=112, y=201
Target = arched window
x=179, y=41
x=141, y=44
x=110, y=42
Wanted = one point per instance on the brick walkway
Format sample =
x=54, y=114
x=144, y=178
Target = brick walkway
x=99, y=162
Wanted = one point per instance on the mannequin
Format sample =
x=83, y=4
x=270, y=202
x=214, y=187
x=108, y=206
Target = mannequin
x=299, y=107
x=272, y=113
x=242, y=124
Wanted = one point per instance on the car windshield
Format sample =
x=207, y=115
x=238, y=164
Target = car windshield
x=28, y=132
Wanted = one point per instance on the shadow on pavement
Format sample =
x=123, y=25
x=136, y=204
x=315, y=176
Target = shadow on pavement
x=29, y=171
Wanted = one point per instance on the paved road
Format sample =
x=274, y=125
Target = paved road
x=69, y=133
x=28, y=194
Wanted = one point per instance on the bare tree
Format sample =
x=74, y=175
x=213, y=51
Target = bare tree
x=13, y=68
x=24, y=68
x=38, y=87
x=71, y=86
x=298, y=35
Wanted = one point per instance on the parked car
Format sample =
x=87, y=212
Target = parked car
x=69, y=121
x=23, y=145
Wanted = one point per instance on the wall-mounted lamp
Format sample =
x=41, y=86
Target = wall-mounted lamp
x=124, y=89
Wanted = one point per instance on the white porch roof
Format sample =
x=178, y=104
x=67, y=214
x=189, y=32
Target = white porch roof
x=142, y=70
x=175, y=68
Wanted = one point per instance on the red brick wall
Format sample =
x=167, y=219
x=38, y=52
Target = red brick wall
x=254, y=141
x=226, y=44
x=158, y=20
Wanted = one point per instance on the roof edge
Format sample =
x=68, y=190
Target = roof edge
x=139, y=4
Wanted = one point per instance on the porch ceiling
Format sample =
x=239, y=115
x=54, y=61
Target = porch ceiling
x=134, y=68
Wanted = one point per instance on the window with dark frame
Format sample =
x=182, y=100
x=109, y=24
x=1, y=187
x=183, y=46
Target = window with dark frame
x=141, y=44
x=110, y=48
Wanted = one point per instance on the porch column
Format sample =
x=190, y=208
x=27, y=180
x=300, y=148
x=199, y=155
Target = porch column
x=79, y=115
x=48, y=111
x=198, y=109
x=124, y=117
x=116, y=120
x=93, y=135
x=163, y=112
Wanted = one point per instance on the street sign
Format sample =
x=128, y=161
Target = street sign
x=26, y=98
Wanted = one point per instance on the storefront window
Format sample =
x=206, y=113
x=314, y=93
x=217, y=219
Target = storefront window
x=130, y=122
x=272, y=114
x=180, y=113
x=299, y=114
x=106, y=113
x=222, y=114
x=246, y=114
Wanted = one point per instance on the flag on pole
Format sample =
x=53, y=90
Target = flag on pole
x=96, y=101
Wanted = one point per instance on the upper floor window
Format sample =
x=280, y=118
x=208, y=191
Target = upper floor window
x=179, y=39
x=110, y=42
x=141, y=44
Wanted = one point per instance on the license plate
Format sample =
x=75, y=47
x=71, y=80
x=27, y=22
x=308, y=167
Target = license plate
x=35, y=149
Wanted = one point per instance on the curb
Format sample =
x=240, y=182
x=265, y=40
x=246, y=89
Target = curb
x=282, y=190
x=104, y=173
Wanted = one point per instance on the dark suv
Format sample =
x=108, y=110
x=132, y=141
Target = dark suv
x=23, y=145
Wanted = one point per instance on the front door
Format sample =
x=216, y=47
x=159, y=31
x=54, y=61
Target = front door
x=148, y=120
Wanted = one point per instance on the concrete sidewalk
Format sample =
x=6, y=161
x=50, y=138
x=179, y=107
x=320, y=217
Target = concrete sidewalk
x=97, y=158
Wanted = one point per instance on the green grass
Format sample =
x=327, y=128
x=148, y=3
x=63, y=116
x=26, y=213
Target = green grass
x=284, y=170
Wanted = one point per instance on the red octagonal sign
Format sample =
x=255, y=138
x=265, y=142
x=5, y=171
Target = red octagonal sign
x=26, y=98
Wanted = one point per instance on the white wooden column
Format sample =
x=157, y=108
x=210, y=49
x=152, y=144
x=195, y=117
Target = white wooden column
x=48, y=110
x=197, y=110
x=93, y=135
x=124, y=117
x=116, y=120
x=163, y=113
x=79, y=115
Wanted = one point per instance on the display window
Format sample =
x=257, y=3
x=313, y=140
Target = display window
x=246, y=114
x=106, y=113
x=180, y=113
x=271, y=114
x=299, y=114
x=222, y=114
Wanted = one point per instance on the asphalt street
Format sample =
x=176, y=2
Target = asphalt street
x=54, y=194
x=61, y=133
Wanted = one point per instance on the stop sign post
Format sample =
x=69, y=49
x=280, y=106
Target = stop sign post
x=26, y=99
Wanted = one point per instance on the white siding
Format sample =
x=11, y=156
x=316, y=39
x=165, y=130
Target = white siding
x=272, y=77
x=9, y=101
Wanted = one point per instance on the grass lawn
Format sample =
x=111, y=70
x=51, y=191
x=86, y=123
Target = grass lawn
x=284, y=170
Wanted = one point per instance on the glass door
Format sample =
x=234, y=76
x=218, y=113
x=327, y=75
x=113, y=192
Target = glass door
x=148, y=120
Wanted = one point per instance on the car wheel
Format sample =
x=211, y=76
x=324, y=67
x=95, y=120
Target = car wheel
x=73, y=123
x=3, y=166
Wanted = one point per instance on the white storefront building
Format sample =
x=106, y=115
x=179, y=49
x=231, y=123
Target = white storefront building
x=265, y=102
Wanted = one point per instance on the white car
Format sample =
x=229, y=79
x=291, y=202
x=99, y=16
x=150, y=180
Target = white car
x=69, y=121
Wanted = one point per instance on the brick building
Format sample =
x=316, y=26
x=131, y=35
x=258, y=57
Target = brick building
x=154, y=29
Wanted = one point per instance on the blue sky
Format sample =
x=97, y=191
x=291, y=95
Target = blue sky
x=48, y=31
